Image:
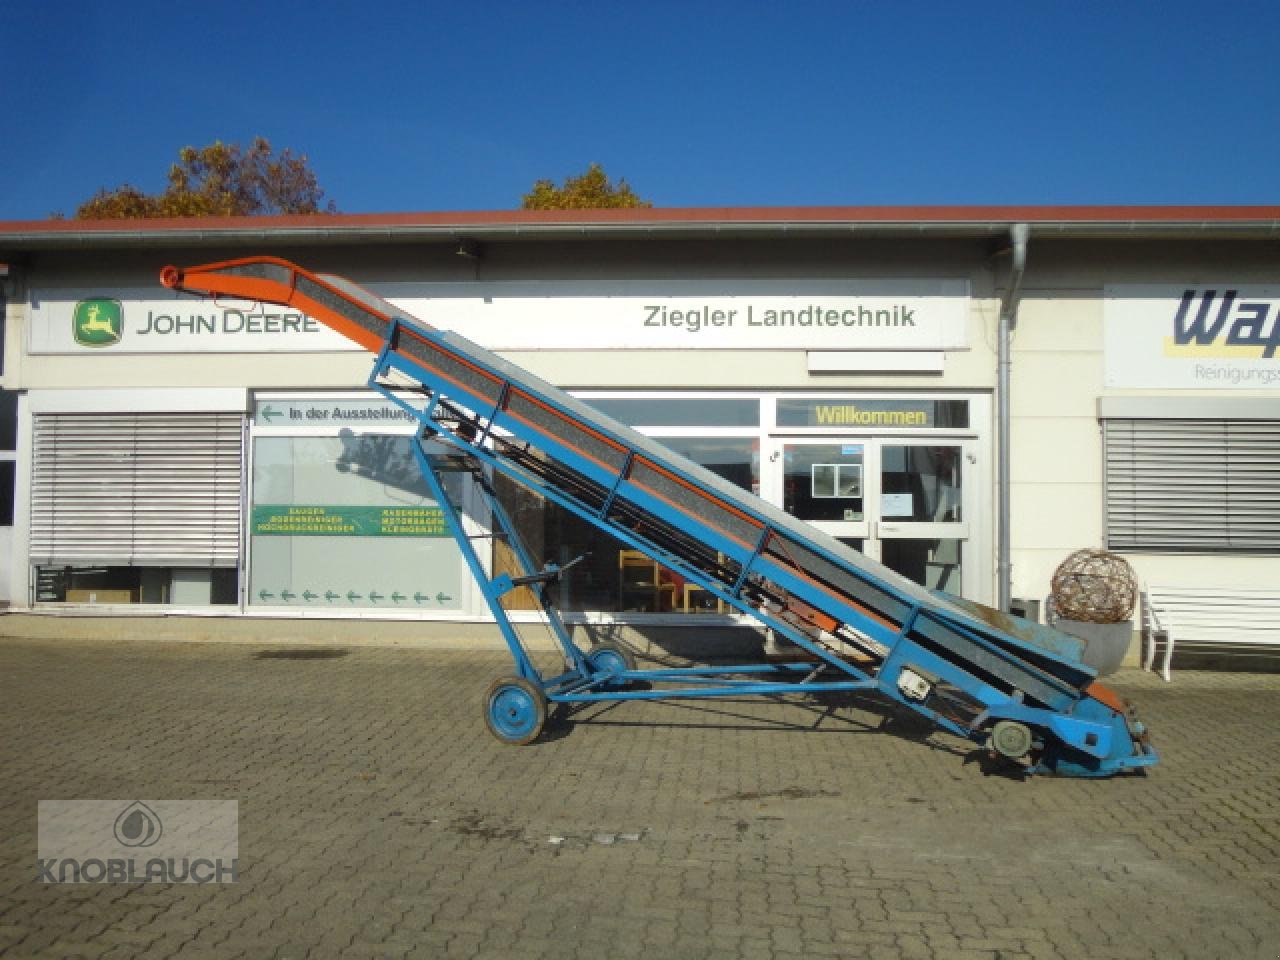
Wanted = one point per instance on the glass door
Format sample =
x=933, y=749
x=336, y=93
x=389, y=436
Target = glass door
x=902, y=502
x=823, y=483
x=922, y=530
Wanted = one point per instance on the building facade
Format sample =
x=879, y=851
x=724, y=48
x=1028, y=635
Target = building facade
x=167, y=455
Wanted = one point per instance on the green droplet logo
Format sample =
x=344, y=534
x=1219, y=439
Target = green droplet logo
x=98, y=323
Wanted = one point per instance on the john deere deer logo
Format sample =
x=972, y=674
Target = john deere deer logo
x=98, y=323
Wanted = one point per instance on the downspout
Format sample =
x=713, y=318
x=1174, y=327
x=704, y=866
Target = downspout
x=1018, y=235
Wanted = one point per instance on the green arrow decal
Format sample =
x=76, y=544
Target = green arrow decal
x=308, y=596
x=443, y=598
x=352, y=596
x=286, y=596
x=397, y=596
x=263, y=595
x=269, y=413
x=419, y=598
x=374, y=596
x=331, y=596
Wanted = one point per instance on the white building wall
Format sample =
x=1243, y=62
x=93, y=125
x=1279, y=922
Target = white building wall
x=1056, y=467
x=970, y=369
x=1058, y=375
x=1058, y=361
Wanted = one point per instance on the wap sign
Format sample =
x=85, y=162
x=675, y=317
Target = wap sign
x=82, y=321
x=1206, y=336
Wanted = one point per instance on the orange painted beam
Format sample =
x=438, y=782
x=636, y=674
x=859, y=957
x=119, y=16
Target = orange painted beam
x=214, y=279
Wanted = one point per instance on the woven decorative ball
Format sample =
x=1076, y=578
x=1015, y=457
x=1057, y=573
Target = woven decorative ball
x=1095, y=586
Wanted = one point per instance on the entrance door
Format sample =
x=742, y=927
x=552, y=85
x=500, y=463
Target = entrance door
x=903, y=502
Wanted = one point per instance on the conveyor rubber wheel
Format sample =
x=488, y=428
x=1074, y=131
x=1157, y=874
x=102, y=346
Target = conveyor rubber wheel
x=610, y=657
x=1012, y=740
x=515, y=710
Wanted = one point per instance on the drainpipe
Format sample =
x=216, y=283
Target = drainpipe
x=1018, y=235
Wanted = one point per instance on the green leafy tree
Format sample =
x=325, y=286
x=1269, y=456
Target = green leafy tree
x=222, y=179
x=590, y=191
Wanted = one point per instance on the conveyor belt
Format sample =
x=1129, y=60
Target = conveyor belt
x=965, y=666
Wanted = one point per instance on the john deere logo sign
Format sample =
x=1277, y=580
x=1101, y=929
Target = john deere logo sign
x=98, y=323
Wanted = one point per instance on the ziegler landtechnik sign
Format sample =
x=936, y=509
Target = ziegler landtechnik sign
x=895, y=314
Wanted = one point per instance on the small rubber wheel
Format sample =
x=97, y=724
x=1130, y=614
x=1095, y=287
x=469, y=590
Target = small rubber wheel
x=515, y=710
x=610, y=658
x=1010, y=739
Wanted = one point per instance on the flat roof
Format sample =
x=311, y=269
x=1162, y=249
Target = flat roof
x=1255, y=221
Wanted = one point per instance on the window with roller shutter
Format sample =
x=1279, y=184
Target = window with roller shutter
x=1192, y=485
x=136, y=490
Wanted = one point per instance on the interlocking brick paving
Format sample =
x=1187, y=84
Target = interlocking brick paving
x=378, y=818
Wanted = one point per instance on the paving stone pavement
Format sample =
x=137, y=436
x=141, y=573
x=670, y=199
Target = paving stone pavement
x=378, y=818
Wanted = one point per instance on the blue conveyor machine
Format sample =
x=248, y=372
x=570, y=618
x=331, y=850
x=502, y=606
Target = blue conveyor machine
x=1010, y=685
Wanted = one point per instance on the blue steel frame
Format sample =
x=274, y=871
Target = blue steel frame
x=581, y=683
x=1094, y=739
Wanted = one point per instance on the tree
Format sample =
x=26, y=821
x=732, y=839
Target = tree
x=222, y=179
x=590, y=191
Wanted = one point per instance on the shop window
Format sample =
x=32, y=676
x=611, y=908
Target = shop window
x=1192, y=486
x=820, y=478
x=7, y=475
x=613, y=577
x=172, y=586
x=736, y=459
x=8, y=444
x=346, y=521
x=680, y=411
x=8, y=421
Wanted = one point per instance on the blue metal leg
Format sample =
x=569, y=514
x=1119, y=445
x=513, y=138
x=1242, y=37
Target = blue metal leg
x=524, y=666
x=501, y=522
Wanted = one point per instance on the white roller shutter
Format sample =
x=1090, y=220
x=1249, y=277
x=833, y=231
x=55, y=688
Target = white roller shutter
x=1193, y=486
x=148, y=489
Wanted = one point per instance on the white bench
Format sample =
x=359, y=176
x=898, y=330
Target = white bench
x=1228, y=618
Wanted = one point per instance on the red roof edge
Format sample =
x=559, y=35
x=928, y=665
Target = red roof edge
x=905, y=215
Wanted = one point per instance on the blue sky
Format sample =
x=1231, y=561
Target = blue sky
x=406, y=106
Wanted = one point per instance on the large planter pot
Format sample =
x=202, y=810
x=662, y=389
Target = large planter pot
x=1105, y=644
